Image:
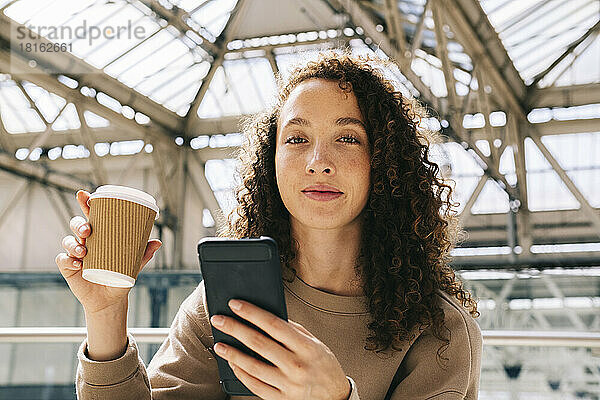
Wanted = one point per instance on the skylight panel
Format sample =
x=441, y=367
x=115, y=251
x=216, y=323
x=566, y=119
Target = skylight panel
x=462, y=162
x=140, y=28
x=144, y=60
x=30, y=11
x=68, y=119
x=462, y=190
x=214, y=15
x=209, y=107
x=47, y=103
x=585, y=68
x=431, y=76
x=84, y=30
x=181, y=98
x=178, y=79
x=94, y=120
x=16, y=112
x=491, y=200
x=189, y=5
x=536, y=33
x=288, y=60
x=224, y=96
x=507, y=161
x=263, y=79
x=577, y=154
x=221, y=175
x=575, y=150
x=245, y=82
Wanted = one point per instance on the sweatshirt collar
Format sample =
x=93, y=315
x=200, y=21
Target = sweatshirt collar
x=324, y=301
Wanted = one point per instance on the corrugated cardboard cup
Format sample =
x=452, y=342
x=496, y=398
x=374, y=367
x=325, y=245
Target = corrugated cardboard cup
x=121, y=218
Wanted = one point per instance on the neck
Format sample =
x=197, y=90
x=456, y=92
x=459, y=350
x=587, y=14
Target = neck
x=326, y=258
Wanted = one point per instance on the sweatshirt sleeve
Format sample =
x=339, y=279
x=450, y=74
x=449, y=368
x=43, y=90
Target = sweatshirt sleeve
x=183, y=368
x=423, y=376
x=115, y=379
x=353, y=390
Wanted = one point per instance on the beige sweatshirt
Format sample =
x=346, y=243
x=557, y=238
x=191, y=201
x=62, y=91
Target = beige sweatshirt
x=184, y=367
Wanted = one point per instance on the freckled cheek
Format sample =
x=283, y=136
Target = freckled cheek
x=360, y=169
x=285, y=171
x=287, y=164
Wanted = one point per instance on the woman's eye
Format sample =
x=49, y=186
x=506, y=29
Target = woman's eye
x=352, y=139
x=293, y=138
x=348, y=139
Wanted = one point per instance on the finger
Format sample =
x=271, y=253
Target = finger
x=274, y=326
x=73, y=247
x=256, y=386
x=262, y=372
x=76, y=224
x=151, y=248
x=67, y=266
x=82, y=197
x=265, y=346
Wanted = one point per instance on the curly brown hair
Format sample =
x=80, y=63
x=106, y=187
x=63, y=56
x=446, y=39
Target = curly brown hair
x=410, y=225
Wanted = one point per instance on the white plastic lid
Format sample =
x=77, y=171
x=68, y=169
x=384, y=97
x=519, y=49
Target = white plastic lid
x=125, y=193
x=108, y=278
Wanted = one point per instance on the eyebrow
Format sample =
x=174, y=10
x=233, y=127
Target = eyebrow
x=340, y=121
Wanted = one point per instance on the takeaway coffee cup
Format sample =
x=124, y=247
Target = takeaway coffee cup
x=121, y=218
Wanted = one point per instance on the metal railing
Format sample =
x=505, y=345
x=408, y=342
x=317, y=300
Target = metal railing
x=158, y=335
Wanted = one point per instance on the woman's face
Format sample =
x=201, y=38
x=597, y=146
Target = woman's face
x=321, y=140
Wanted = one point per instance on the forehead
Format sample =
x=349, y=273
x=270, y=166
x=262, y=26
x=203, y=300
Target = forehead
x=320, y=97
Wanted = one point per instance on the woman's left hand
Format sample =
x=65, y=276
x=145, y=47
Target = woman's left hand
x=304, y=368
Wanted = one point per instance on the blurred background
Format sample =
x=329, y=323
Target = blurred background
x=149, y=94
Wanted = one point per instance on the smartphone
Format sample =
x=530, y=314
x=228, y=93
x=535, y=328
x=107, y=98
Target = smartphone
x=247, y=269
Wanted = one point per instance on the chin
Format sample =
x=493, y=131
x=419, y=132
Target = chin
x=323, y=220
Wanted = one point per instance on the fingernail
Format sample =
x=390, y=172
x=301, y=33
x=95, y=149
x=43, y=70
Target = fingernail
x=235, y=305
x=220, y=348
x=82, y=229
x=79, y=249
x=77, y=263
x=217, y=320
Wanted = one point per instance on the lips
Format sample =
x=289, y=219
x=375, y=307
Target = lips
x=322, y=189
x=322, y=196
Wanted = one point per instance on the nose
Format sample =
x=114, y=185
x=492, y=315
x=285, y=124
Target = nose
x=312, y=170
x=318, y=164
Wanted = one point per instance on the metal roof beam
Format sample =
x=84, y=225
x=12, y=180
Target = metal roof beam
x=41, y=173
x=40, y=78
x=567, y=52
x=540, y=261
x=178, y=18
x=488, y=40
x=115, y=164
x=85, y=74
x=465, y=30
x=219, y=55
x=566, y=96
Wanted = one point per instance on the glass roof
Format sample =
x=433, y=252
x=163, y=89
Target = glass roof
x=169, y=67
x=537, y=32
x=154, y=58
x=239, y=86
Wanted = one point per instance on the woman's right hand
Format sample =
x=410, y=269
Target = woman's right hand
x=92, y=296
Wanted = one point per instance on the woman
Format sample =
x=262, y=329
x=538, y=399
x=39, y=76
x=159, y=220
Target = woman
x=338, y=174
